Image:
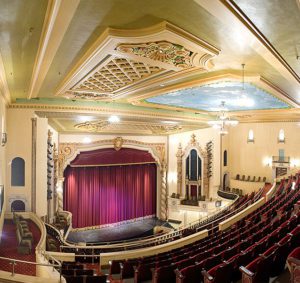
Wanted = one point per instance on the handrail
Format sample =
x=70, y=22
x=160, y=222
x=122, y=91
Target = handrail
x=158, y=239
x=39, y=249
x=143, y=241
x=14, y=262
x=153, y=238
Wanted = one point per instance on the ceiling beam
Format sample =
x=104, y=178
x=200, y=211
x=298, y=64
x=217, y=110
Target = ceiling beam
x=58, y=17
x=228, y=12
x=4, y=90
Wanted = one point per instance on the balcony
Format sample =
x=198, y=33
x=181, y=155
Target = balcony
x=281, y=160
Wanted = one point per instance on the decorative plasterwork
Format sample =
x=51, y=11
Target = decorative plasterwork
x=68, y=151
x=181, y=156
x=115, y=75
x=129, y=126
x=162, y=51
x=121, y=61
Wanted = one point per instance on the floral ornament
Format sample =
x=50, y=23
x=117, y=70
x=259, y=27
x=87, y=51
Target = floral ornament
x=162, y=51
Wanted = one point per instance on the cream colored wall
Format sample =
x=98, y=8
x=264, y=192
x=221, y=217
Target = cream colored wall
x=19, y=131
x=3, y=119
x=203, y=136
x=252, y=158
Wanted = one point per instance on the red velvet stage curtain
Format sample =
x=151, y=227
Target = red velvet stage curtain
x=102, y=195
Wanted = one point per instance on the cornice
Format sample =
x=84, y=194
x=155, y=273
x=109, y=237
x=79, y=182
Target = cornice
x=97, y=110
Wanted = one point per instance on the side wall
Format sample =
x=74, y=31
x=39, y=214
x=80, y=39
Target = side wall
x=19, y=130
x=3, y=122
x=254, y=159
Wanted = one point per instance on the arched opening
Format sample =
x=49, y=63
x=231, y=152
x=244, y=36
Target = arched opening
x=18, y=205
x=18, y=172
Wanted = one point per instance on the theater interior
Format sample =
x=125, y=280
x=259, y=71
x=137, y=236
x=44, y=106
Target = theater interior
x=150, y=141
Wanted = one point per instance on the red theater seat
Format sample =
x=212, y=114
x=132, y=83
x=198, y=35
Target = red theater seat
x=293, y=261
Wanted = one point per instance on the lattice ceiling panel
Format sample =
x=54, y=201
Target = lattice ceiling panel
x=116, y=74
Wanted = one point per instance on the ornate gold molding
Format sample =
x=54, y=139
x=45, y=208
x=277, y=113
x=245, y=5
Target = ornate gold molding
x=68, y=152
x=129, y=126
x=181, y=154
x=162, y=51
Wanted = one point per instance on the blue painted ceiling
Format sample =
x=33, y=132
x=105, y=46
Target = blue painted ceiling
x=209, y=97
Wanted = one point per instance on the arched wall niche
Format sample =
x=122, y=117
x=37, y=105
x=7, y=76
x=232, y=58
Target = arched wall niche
x=18, y=199
x=181, y=155
x=69, y=151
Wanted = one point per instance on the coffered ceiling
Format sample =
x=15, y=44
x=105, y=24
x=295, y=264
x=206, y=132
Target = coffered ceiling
x=95, y=58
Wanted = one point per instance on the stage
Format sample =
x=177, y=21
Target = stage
x=137, y=229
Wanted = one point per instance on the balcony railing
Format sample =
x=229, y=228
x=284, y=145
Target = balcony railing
x=280, y=159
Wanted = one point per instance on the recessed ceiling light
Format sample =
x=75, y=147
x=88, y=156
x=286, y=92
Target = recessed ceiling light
x=113, y=119
x=87, y=140
x=83, y=119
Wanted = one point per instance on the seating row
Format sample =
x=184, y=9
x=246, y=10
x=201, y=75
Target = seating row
x=249, y=179
x=244, y=241
x=24, y=235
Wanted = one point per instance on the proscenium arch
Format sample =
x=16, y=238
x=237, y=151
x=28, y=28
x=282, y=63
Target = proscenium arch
x=69, y=151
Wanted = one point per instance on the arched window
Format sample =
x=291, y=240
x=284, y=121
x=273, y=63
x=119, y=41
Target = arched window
x=281, y=137
x=193, y=166
x=225, y=158
x=18, y=172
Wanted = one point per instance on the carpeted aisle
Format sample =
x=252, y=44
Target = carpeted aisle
x=8, y=248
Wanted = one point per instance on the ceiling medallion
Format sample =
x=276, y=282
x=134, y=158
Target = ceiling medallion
x=162, y=51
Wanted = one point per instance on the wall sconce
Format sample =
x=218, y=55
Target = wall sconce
x=294, y=162
x=281, y=137
x=3, y=139
x=250, y=137
x=267, y=161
